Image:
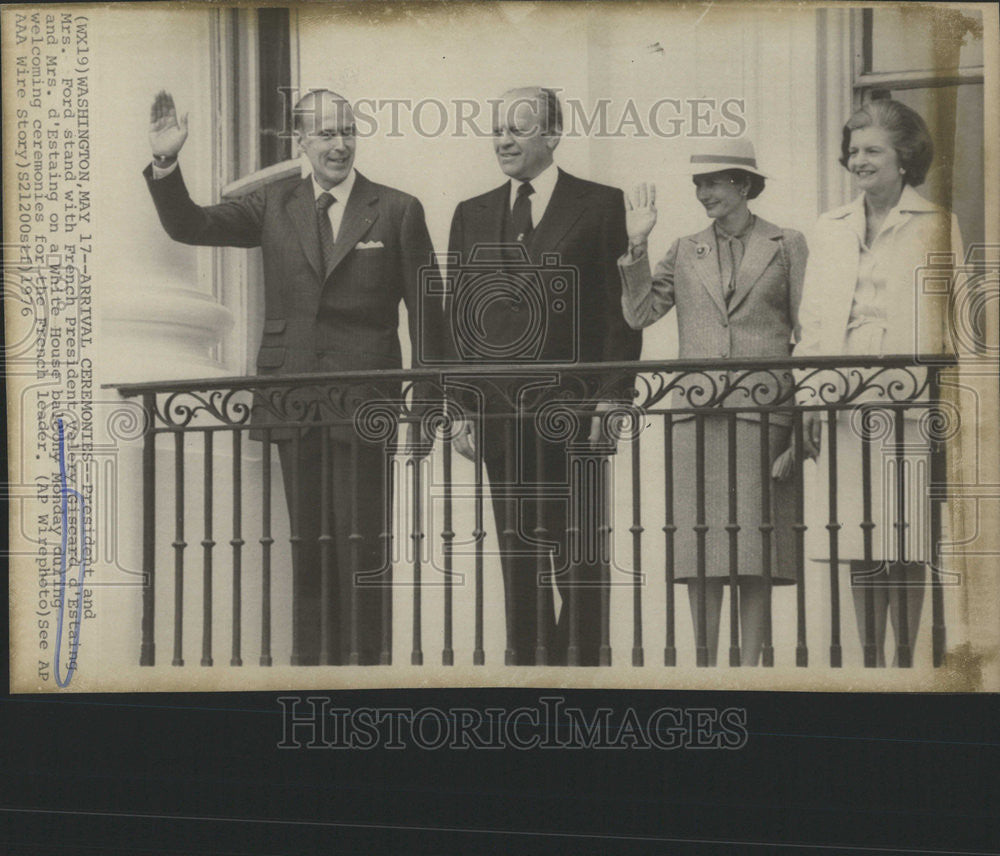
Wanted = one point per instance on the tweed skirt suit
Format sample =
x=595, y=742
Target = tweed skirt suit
x=758, y=320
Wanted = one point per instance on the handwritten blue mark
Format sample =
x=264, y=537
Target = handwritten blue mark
x=65, y=492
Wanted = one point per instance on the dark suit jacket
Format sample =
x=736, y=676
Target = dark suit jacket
x=583, y=230
x=344, y=318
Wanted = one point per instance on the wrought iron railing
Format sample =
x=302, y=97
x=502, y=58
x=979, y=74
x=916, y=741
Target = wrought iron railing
x=894, y=405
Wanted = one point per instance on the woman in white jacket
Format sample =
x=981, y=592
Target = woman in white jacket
x=864, y=296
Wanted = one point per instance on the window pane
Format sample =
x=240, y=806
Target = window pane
x=922, y=38
x=275, y=76
x=954, y=115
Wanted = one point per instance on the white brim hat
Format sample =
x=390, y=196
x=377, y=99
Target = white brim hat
x=720, y=154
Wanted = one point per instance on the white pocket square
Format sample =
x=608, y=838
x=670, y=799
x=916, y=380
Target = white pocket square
x=369, y=245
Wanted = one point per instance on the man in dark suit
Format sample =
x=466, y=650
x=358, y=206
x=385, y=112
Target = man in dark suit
x=339, y=253
x=567, y=229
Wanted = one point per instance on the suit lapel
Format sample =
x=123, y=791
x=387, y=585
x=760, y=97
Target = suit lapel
x=301, y=208
x=706, y=265
x=359, y=215
x=488, y=225
x=566, y=206
x=762, y=244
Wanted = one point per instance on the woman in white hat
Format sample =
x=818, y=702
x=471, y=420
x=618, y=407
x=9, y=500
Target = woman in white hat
x=736, y=287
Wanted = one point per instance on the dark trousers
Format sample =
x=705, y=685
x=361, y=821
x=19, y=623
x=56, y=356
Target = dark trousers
x=547, y=509
x=339, y=549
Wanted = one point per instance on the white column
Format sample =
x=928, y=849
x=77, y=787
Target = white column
x=157, y=316
x=156, y=303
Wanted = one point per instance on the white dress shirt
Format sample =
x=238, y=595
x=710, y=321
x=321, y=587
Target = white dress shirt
x=543, y=184
x=163, y=171
x=341, y=192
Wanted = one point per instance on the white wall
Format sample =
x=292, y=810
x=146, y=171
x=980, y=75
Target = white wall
x=418, y=56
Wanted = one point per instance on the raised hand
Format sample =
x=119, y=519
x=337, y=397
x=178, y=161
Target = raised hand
x=640, y=212
x=166, y=133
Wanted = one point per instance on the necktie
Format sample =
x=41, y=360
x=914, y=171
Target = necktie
x=323, y=203
x=735, y=260
x=730, y=259
x=521, y=215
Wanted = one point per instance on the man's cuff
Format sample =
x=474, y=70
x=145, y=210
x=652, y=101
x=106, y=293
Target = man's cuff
x=635, y=252
x=163, y=171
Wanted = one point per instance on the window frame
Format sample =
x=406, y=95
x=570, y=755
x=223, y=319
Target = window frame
x=864, y=80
